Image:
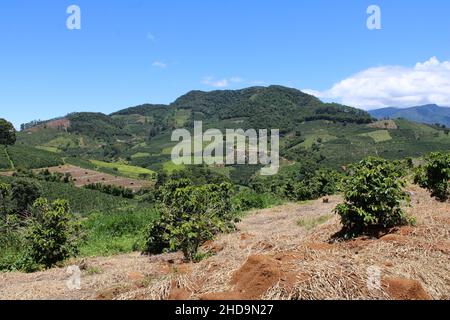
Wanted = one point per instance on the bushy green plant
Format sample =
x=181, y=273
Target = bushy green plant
x=435, y=175
x=7, y=133
x=374, y=195
x=248, y=199
x=52, y=234
x=24, y=192
x=5, y=192
x=190, y=216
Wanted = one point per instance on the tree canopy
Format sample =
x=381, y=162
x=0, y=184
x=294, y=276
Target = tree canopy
x=7, y=133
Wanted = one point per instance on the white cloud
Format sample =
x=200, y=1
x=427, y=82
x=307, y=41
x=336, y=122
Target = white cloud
x=425, y=83
x=222, y=83
x=159, y=64
x=216, y=83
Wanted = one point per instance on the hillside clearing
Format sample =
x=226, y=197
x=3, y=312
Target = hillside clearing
x=130, y=171
x=271, y=257
x=378, y=136
x=82, y=177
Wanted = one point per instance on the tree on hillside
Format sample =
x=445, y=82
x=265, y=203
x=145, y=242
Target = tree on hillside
x=7, y=133
x=25, y=192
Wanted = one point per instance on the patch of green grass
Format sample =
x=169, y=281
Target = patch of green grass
x=312, y=222
x=378, y=136
x=140, y=155
x=93, y=271
x=128, y=170
x=170, y=167
x=109, y=234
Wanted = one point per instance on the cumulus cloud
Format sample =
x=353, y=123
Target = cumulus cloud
x=221, y=83
x=159, y=64
x=425, y=83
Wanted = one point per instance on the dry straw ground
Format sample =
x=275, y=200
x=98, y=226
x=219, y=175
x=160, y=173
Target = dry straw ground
x=272, y=256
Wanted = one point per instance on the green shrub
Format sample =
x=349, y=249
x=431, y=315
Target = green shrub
x=24, y=192
x=248, y=199
x=191, y=215
x=52, y=234
x=13, y=247
x=435, y=175
x=374, y=194
x=5, y=192
x=113, y=190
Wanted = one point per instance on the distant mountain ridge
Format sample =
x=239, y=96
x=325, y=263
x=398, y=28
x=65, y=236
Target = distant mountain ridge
x=430, y=114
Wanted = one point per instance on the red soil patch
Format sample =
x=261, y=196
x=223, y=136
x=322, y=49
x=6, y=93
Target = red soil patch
x=405, y=289
x=177, y=293
x=256, y=276
x=252, y=280
x=213, y=247
x=394, y=238
x=246, y=236
x=60, y=124
x=289, y=256
x=444, y=247
x=135, y=276
x=320, y=246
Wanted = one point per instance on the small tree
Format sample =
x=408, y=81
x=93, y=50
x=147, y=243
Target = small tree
x=374, y=194
x=52, y=234
x=24, y=193
x=435, y=175
x=191, y=215
x=7, y=133
x=5, y=192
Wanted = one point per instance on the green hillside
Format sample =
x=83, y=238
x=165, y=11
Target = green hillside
x=27, y=157
x=332, y=135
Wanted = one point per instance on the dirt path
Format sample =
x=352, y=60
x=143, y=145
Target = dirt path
x=271, y=256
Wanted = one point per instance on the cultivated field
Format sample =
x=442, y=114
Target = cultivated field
x=82, y=177
x=280, y=253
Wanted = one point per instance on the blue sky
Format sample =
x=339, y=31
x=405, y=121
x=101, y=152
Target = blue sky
x=133, y=52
